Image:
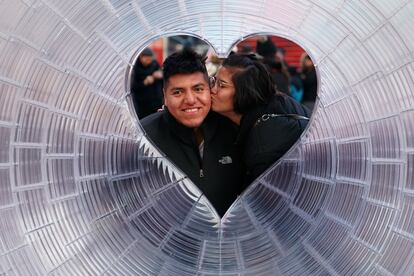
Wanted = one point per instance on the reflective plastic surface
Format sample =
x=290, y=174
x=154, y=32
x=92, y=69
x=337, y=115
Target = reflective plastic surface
x=83, y=192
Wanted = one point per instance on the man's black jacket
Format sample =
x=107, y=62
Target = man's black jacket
x=219, y=174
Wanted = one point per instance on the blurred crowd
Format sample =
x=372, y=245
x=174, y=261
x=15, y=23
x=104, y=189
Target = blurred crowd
x=299, y=82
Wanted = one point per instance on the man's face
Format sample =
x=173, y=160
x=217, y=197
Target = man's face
x=145, y=60
x=187, y=97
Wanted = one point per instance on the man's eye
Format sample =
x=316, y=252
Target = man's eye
x=176, y=92
x=199, y=89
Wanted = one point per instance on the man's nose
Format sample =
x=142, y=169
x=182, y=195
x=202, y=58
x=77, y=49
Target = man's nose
x=190, y=98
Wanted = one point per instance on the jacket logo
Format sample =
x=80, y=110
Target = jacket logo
x=226, y=160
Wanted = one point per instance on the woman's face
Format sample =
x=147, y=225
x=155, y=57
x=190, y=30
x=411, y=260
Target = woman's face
x=222, y=93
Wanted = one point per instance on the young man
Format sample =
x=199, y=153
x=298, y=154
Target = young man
x=199, y=142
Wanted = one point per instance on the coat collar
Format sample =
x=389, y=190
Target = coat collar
x=250, y=118
x=247, y=122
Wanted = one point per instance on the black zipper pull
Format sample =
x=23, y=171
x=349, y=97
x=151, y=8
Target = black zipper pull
x=201, y=173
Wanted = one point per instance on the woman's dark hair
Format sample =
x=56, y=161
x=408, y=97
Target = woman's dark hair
x=186, y=61
x=252, y=81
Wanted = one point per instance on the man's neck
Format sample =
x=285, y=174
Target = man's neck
x=199, y=135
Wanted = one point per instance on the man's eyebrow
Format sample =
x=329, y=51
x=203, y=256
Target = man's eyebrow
x=175, y=88
x=199, y=84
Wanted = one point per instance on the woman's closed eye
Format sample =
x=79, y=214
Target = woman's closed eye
x=223, y=84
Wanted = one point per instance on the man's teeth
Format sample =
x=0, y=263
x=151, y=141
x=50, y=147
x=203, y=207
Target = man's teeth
x=191, y=110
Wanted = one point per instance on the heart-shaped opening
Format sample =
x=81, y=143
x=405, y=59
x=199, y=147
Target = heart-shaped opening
x=223, y=121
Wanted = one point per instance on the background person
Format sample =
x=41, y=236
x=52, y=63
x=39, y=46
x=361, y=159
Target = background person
x=270, y=122
x=309, y=80
x=279, y=74
x=199, y=142
x=296, y=85
x=146, y=84
x=265, y=47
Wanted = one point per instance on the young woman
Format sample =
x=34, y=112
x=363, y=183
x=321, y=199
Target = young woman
x=270, y=122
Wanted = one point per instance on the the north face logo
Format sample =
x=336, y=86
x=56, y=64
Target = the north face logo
x=226, y=160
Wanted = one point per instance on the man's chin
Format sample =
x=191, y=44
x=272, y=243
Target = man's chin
x=192, y=124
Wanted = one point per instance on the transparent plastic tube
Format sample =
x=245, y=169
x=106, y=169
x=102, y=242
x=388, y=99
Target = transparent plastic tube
x=83, y=191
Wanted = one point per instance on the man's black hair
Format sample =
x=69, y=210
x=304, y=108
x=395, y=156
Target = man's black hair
x=186, y=61
x=252, y=81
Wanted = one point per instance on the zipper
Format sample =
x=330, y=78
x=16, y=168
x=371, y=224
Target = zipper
x=200, y=163
x=200, y=160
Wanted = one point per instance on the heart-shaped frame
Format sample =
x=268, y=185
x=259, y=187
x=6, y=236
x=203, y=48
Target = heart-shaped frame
x=83, y=191
x=153, y=150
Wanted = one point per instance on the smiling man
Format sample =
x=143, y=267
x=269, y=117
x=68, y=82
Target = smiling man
x=199, y=142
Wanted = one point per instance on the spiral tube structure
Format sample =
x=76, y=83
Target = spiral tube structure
x=83, y=191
